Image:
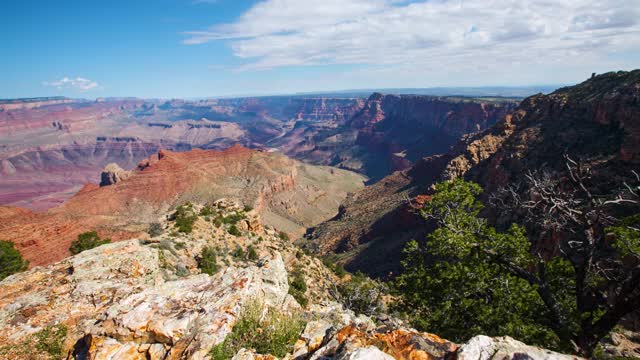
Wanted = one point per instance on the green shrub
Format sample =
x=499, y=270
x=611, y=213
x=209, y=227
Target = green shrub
x=86, y=241
x=247, y=208
x=283, y=236
x=11, y=261
x=298, y=286
x=299, y=254
x=251, y=253
x=47, y=343
x=207, y=262
x=51, y=340
x=184, y=218
x=207, y=211
x=238, y=253
x=274, y=334
x=233, y=218
x=337, y=269
x=155, y=229
x=361, y=294
x=233, y=230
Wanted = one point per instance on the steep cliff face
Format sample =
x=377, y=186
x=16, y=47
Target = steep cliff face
x=291, y=195
x=595, y=122
x=391, y=132
x=30, y=103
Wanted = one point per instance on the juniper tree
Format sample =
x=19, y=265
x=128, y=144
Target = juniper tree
x=469, y=278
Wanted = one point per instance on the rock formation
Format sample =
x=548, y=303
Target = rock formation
x=112, y=174
x=147, y=299
x=290, y=195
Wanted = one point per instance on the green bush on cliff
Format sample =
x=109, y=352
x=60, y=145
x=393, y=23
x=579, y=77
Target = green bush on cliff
x=337, y=269
x=252, y=254
x=362, y=294
x=207, y=211
x=51, y=340
x=283, y=236
x=11, y=261
x=86, y=241
x=184, y=217
x=48, y=343
x=233, y=230
x=298, y=286
x=469, y=278
x=232, y=218
x=238, y=253
x=274, y=333
x=207, y=262
x=155, y=229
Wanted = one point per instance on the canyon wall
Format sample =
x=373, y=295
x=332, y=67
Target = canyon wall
x=390, y=132
x=292, y=196
x=596, y=122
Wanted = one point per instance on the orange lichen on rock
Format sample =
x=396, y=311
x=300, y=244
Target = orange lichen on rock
x=402, y=344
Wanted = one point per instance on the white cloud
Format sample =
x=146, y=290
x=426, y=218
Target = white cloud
x=436, y=34
x=78, y=83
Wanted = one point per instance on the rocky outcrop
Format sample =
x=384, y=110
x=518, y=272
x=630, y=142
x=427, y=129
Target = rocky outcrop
x=147, y=299
x=116, y=303
x=112, y=174
x=504, y=348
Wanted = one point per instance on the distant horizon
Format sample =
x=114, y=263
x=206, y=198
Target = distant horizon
x=447, y=91
x=228, y=48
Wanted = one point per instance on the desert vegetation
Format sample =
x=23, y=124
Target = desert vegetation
x=361, y=294
x=11, y=260
x=184, y=217
x=48, y=343
x=207, y=262
x=87, y=240
x=470, y=278
x=155, y=229
x=273, y=332
x=298, y=286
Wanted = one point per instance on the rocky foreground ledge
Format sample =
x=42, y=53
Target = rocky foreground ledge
x=146, y=299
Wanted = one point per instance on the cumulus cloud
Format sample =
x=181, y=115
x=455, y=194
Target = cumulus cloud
x=78, y=83
x=435, y=34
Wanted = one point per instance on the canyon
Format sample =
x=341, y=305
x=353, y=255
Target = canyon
x=595, y=122
x=342, y=178
x=290, y=195
x=51, y=147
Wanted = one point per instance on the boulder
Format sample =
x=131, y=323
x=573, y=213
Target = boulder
x=504, y=348
x=112, y=174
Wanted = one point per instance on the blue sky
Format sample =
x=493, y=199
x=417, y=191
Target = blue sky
x=199, y=48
